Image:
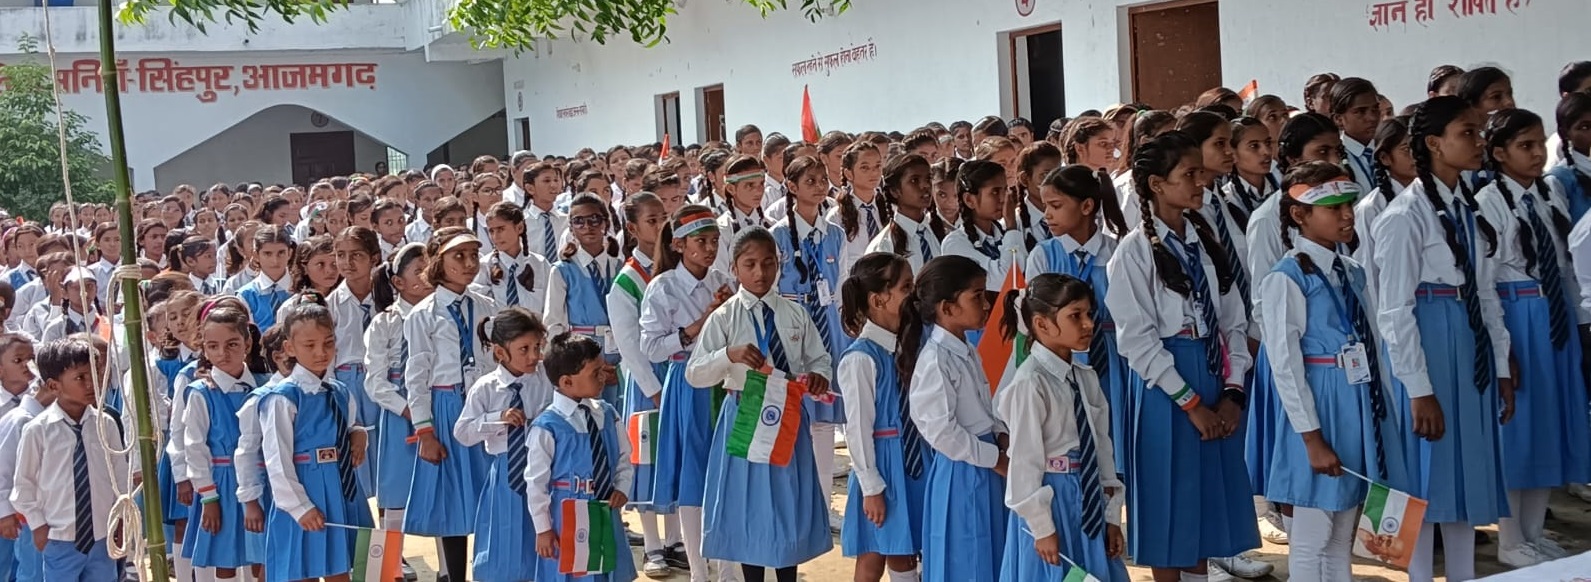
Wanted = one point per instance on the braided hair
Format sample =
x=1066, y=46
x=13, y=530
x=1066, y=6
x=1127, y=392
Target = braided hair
x=712, y=162
x=1389, y=136
x=1309, y=174
x=793, y=173
x=894, y=174
x=849, y=213
x=974, y=176
x=1159, y=158
x=1247, y=200
x=1027, y=164
x=1430, y=119
x=1504, y=127
x=1296, y=135
x=514, y=215
x=1081, y=182
x=944, y=170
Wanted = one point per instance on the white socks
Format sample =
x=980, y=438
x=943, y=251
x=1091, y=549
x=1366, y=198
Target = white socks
x=1458, y=544
x=1287, y=522
x=649, y=531
x=691, y=526
x=203, y=574
x=907, y=576
x=393, y=519
x=184, y=565
x=823, y=455
x=1529, y=522
x=671, y=531
x=1321, y=544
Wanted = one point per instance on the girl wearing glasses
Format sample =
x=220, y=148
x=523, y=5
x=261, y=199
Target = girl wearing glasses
x=578, y=289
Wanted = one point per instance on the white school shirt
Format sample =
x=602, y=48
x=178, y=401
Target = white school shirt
x=624, y=314
x=481, y=421
x=737, y=322
x=1215, y=202
x=538, y=220
x=1036, y=226
x=1509, y=257
x=1230, y=198
x=382, y=344
x=55, y=328
x=1580, y=253
x=1364, y=171
x=249, y=458
x=1037, y=408
x=1365, y=213
x=1127, y=195
x=206, y=286
x=196, y=426
x=1013, y=251
x=533, y=299
x=857, y=378
x=950, y=401
x=543, y=447
x=1286, y=320
x=45, y=491
x=37, y=316
x=10, y=438
x=10, y=401
x=238, y=280
x=28, y=298
x=674, y=300
x=1146, y=311
x=855, y=246
x=348, y=313
x=157, y=400
x=556, y=311
x=1265, y=247
x=418, y=230
x=102, y=271
x=772, y=191
x=730, y=223
x=915, y=232
x=276, y=428
x=1100, y=247
x=434, y=348
x=514, y=194
x=387, y=248
x=1412, y=249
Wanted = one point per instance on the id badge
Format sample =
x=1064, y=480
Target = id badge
x=1355, y=363
x=825, y=297
x=609, y=345
x=1199, y=327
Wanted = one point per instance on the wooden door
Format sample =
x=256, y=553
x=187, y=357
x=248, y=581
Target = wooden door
x=1176, y=51
x=713, y=110
x=321, y=155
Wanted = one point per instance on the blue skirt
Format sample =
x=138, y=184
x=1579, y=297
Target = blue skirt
x=680, y=475
x=174, y=510
x=547, y=569
x=1190, y=499
x=296, y=554
x=963, y=521
x=1262, y=429
x=396, y=458
x=443, y=497
x=1022, y=564
x=641, y=486
x=505, y=540
x=226, y=548
x=30, y=562
x=353, y=376
x=1461, y=475
x=1550, y=407
x=1114, y=383
x=902, y=532
x=759, y=513
x=1346, y=423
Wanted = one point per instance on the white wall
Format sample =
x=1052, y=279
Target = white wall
x=489, y=137
x=76, y=30
x=258, y=150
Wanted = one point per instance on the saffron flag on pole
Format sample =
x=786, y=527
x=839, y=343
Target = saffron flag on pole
x=809, y=123
x=643, y=437
x=1250, y=91
x=1001, y=355
x=662, y=156
x=768, y=419
x=377, y=555
x=1390, y=525
x=585, y=538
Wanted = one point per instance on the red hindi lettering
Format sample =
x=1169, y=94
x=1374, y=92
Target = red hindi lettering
x=1424, y=10
x=155, y=75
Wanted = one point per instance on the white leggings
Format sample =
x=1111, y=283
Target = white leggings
x=823, y=456
x=1529, y=521
x=1458, y=544
x=1320, y=544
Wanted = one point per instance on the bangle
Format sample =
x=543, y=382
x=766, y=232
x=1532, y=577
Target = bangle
x=427, y=429
x=1186, y=397
x=1191, y=404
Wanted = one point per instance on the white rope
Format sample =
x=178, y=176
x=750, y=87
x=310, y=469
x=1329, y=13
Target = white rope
x=125, y=517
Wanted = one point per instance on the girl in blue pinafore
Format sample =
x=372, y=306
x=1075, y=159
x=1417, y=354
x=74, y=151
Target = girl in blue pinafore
x=265, y=294
x=564, y=461
x=322, y=489
x=357, y=251
x=1335, y=411
x=399, y=285
x=1078, y=205
x=881, y=476
x=577, y=295
x=745, y=496
x=1540, y=300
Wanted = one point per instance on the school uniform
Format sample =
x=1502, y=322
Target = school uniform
x=102, y=271
x=964, y=516
x=577, y=296
x=1550, y=408
x=1264, y=236
x=1127, y=195
x=1239, y=199
x=730, y=223
x=477, y=225
x=995, y=251
x=869, y=223
x=264, y=295
x=543, y=229
x=210, y=439
x=1062, y=476
x=248, y=461
x=502, y=520
x=386, y=351
x=20, y=560
x=772, y=191
x=418, y=229
x=888, y=457
x=1174, y=344
x=445, y=355
x=1361, y=162
x=1574, y=179
x=306, y=421
x=33, y=321
x=507, y=290
x=205, y=286
x=642, y=380
x=62, y=324
x=744, y=497
x=21, y=275
x=64, y=481
x=176, y=450
x=674, y=300
x=238, y=280
x=31, y=298
x=1365, y=213
x=566, y=442
x=1031, y=223
x=810, y=272
x=352, y=315
x=918, y=243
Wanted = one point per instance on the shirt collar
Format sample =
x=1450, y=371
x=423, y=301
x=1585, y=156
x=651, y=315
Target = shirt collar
x=1189, y=234
x=745, y=218
x=533, y=212
x=1322, y=256
x=909, y=225
x=583, y=258
x=445, y=296
x=750, y=301
x=227, y=383
x=1050, y=362
x=505, y=377
x=1092, y=246
x=31, y=404
x=307, y=380
x=803, y=230
x=1355, y=148
x=640, y=258
x=1517, y=188
x=1580, y=161
x=879, y=335
x=264, y=281
x=954, y=344
x=565, y=406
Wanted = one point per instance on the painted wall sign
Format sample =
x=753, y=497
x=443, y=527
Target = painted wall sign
x=208, y=82
x=569, y=112
x=1024, y=8
x=1384, y=14
x=827, y=63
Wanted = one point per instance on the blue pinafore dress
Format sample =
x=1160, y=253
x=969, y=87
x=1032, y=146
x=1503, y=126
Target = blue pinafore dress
x=173, y=510
x=685, y=419
x=571, y=478
x=585, y=303
x=505, y=539
x=443, y=496
x=901, y=534
x=396, y=455
x=815, y=286
x=292, y=552
x=1113, y=374
x=263, y=305
x=227, y=548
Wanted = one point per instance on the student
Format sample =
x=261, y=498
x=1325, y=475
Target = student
x=1090, y=141
x=273, y=249
x=79, y=310
x=543, y=223
x=985, y=201
x=253, y=482
x=1145, y=127
x=495, y=415
x=1251, y=182
x=575, y=441
x=1033, y=165
x=355, y=251
x=387, y=220
x=1394, y=171
x=1355, y=110
x=947, y=204
x=759, y=328
x=1306, y=137
x=711, y=182
x=445, y=355
x=1180, y=326
x=643, y=384
x=510, y=274
x=949, y=402
x=908, y=186
x=18, y=557
x=743, y=188
x=425, y=196
x=399, y=285
x=1434, y=253
x=577, y=291
x=859, y=210
x=1573, y=171
x=315, y=265
x=195, y=255
x=22, y=242
x=69, y=517
x=1325, y=367
x=311, y=444
x=884, y=503
x=109, y=243
x=1488, y=89
x=240, y=266
x=1539, y=304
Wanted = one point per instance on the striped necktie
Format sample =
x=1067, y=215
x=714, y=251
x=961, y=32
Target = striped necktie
x=870, y=210
x=1093, y=492
x=83, y=538
x=1194, y=265
x=466, y=345
x=547, y=242
x=911, y=439
x=770, y=333
x=601, y=469
x=598, y=280
x=518, y=454
x=513, y=285
x=1361, y=329
x=1550, y=275
x=813, y=302
x=364, y=309
x=345, y=460
x=923, y=246
x=1239, y=273
x=1098, y=356
x=1469, y=294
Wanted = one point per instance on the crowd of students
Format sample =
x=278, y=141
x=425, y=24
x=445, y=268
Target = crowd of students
x=1235, y=313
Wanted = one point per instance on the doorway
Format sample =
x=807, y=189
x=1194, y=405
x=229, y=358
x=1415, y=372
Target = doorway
x=1176, y=51
x=321, y=155
x=712, y=109
x=524, y=133
x=1038, y=76
x=668, y=123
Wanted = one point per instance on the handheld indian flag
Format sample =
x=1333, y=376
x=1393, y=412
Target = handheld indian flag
x=377, y=555
x=1250, y=91
x=809, y=123
x=643, y=437
x=1002, y=355
x=632, y=279
x=1390, y=524
x=1076, y=574
x=768, y=418
x=586, y=543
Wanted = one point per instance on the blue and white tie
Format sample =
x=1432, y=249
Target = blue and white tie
x=775, y=347
x=513, y=285
x=601, y=469
x=83, y=537
x=365, y=322
x=1239, y=273
x=547, y=243
x=922, y=242
x=518, y=454
x=1093, y=492
x=1194, y=264
x=598, y=280
x=872, y=220
x=466, y=343
x=345, y=460
x=1098, y=356
x=1551, y=276
x=911, y=439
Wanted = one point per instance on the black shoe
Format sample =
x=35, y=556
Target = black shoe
x=635, y=539
x=409, y=575
x=1481, y=538
x=674, y=556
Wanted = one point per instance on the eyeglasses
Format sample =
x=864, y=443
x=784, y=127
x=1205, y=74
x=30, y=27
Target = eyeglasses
x=592, y=221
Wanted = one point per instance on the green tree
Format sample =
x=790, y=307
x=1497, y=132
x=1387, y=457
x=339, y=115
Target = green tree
x=30, y=170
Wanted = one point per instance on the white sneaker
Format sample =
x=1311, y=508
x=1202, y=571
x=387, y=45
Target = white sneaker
x=1271, y=528
x=839, y=438
x=835, y=520
x=1549, y=548
x=1521, y=556
x=655, y=567
x=1243, y=567
x=1214, y=573
x=1580, y=490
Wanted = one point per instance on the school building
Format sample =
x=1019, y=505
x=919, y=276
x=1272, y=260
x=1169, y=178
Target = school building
x=392, y=82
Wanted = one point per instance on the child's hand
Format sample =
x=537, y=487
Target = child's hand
x=406, y=413
x=253, y=517
x=749, y=355
x=547, y=544
x=1115, y=543
x=817, y=385
x=513, y=417
x=185, y=493
x=618, y=500
x=210, y=517
x=431, y=449
x=41, y=536
x=1049, y=549
x=719, y=297
x=1002, y=465
x=1208, y=424
x=1013, y=201
x=1505, y=389
x=873, y=508
x=312, y=521
x=1230, y=414
x=1427, y=414
x=357, y=442
x=9, y=528
x=1321, y=456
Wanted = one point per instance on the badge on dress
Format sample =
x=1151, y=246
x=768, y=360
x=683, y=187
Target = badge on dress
x=825, y=297
x=1355, y=362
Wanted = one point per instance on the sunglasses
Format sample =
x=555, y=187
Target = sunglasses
x=591, y=221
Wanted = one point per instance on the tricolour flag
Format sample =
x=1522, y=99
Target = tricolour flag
x=768, y=419
x=643, y=437
x=1002, y=355
x=632, y=279
x=809, y=123
x=586, y=543
x=1249, y=91
x=378, y=554
x=1390, y=525
x=1076, y=574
